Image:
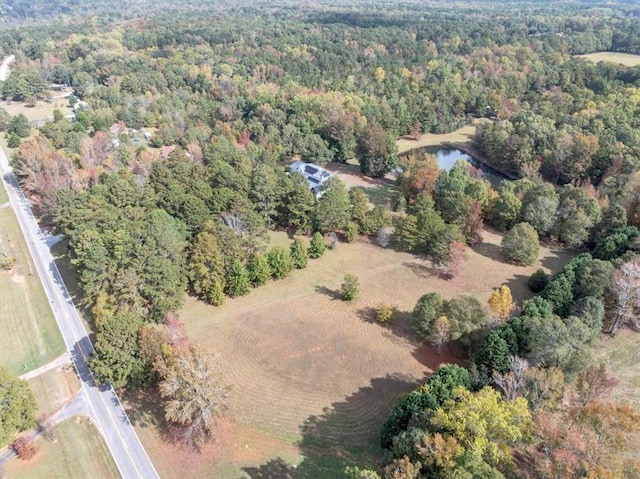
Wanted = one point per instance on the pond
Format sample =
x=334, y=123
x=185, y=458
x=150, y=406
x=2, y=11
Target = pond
x=447, y=157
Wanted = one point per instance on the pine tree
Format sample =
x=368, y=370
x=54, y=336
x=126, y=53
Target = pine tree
x=259, y=271
x=299, y=254
x=237, y=280
x=279, y=262
x=317, y=246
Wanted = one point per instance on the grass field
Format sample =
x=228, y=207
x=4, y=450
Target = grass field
x=43, y=110
x=626, y=59
x=621, y=356
x=313, y=377
x=29, y=334
x=78, y=453
x=53, y=389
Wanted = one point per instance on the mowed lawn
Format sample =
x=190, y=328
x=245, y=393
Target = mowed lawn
x=621, y=356
x=78, y=453
x=626, y=59
x=29, y=335
x=313, y=378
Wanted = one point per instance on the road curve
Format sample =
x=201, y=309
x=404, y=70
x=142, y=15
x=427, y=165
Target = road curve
x=4, y=68
x=106, y=410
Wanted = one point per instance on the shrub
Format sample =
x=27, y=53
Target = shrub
x=384, y=313
x=237, y=280
x=24, y=448
x=538, y=281
x=351, y=232
x=299, y=254
x=279, y=262
x=350, y=287
x=520, y=245
x=316, y=247
x=259, y=271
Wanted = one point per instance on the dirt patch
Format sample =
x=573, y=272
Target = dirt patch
x=313, y=376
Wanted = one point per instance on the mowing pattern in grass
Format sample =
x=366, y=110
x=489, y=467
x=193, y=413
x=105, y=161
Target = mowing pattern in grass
x=621, y=356
x=313, y=377
x=626, y=59
x=79, y=453
x=29, y=335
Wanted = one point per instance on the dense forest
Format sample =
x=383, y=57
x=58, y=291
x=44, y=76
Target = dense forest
x=175, y=169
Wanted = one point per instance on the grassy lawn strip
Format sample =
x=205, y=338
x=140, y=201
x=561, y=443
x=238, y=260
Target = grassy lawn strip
x=30, y=337
x=53, y=389
x=79, y=452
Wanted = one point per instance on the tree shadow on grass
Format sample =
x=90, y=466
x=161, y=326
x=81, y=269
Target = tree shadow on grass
x=491, y=251
x=144, y=409
x=345, y=434
x=332, y=293
x=399, y=326
x=423, y=270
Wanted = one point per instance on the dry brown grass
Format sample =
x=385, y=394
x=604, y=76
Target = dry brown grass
x=461, y=136
x=43, y=110
x=626, y=59
x=53, y=389
x=621, y=356
x=312, y=375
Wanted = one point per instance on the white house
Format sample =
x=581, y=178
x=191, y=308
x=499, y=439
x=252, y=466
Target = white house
x=315, y=175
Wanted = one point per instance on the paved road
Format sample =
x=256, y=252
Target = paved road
x=4, y=68
x=106, y=410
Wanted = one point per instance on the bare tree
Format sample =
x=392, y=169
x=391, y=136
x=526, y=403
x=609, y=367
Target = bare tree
x=626, y=282
x=45, y=427
x=194, y=396
x=441, y=333
x=512, y=383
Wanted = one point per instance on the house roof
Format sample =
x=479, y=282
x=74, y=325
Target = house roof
x=314, y=174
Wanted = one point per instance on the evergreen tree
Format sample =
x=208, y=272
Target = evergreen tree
x=317, y=246
x=299, y=255
x=279, y=262
x=259, y=271
x=237, y=280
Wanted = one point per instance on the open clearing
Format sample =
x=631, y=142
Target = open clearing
x=43, y=110
x=461, y=136
x=312, y=377
x=78, y=453
x=30, y=337
x=626, y=59
x=621, y=356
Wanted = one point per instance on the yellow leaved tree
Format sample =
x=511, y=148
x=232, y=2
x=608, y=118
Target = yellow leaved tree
x=501, y=302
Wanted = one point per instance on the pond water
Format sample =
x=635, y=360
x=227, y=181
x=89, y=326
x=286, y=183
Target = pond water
x=447, y=157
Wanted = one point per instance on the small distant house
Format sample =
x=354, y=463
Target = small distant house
x=315, y=175
x=117, y=129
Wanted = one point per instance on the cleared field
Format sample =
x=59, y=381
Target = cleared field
x=78, y=453
x=29, y=335
x=461, y=136
x=43, y=110
x=53, y=389
x=313, y=378
x=621, y=356
x=626, y=59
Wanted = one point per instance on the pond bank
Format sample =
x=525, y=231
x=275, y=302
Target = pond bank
x=462, y=139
